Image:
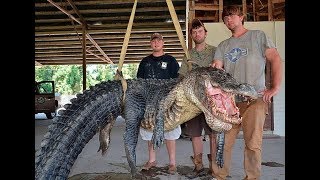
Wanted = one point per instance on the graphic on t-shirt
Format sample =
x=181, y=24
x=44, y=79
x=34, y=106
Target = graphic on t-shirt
x=164, y=65
x=235, y=54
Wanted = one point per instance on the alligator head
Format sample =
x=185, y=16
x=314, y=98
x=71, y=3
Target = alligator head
x=206, y=90
x=218, y=103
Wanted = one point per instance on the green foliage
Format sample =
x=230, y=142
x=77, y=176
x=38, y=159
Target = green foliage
x=45, y=73
x=129, y=71
x=74, y=79
x=68, y=78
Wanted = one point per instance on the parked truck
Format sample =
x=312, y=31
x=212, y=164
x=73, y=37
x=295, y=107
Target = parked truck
x=45, y=98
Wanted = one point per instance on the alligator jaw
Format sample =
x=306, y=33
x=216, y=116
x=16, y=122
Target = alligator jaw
x=221, y=104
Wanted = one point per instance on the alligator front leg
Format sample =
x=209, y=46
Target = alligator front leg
x=158, y=131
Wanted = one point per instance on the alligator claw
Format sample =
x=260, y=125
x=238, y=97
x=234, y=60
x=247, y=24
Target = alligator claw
x=220, y=148
x=137, y=176
x=157, y=139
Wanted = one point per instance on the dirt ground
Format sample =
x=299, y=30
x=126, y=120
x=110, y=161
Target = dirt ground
x=153, y=174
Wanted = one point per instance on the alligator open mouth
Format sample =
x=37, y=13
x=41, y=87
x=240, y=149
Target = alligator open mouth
x=219, y=99
x=222, y=104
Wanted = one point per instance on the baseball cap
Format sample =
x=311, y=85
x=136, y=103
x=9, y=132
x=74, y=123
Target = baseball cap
x=196, y=23
x=156, y=35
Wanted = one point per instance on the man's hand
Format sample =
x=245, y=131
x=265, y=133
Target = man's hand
x=268, y=94
x=217, y=64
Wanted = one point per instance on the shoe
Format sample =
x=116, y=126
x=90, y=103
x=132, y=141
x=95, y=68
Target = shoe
x=198, y=170
x=149, y=165
x=172, y=169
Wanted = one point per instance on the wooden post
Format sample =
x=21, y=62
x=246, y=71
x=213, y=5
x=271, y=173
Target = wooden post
x=126, y=39
x=244, y=9
x=84, y=62
x=177, y=26
x=191, y=17
x=270, y=14
x=254, y=10
x=119, y=75
x=220, y=10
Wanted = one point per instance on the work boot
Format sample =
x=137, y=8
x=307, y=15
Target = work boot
x=198, y=167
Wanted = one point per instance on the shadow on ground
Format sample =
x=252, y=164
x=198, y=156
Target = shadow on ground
x=155, y=173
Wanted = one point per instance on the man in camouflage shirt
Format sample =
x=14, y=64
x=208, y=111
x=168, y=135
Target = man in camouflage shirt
x=201, y=56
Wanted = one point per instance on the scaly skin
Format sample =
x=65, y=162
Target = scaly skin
x=157, y=105
x=205, y=89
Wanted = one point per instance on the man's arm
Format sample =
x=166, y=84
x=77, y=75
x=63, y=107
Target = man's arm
x=174, y=68
x=184, y=67
x=217, y=61
x=140, y=72
x=274, y=58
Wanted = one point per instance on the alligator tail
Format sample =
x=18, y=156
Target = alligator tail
x=79, y=122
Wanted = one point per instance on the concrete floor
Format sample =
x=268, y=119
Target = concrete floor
x=89, y=161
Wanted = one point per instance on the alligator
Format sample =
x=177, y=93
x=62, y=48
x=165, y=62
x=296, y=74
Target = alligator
x=157, y=105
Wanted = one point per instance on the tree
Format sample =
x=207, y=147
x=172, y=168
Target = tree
x=68, y=78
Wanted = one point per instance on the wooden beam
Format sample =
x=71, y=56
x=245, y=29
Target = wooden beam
x=105, y=27
x=205, y=7
x=64, y=11
x=102, y=58
x=37, y=63
x=111, y=49
x=220, y=10
x=178, y=28
x=92, y=57
x=99, y=48
x=111, y=18
x=208, y=18
x=110, y=30
x=126, y=39
x=109, y=11
x=270, y=11
x=74, y=7
x=244, y=9
x=190, y=18
x=84, y=59
x=84, y=26
x=102, y=38
x=104, y=2
x=101, y=42
x=254, y=10
x=92, y=53
x=96, y=61
x=103, y=46
x=60, y=42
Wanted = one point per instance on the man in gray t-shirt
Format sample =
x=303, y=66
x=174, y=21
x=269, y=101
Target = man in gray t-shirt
x=244, y=56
